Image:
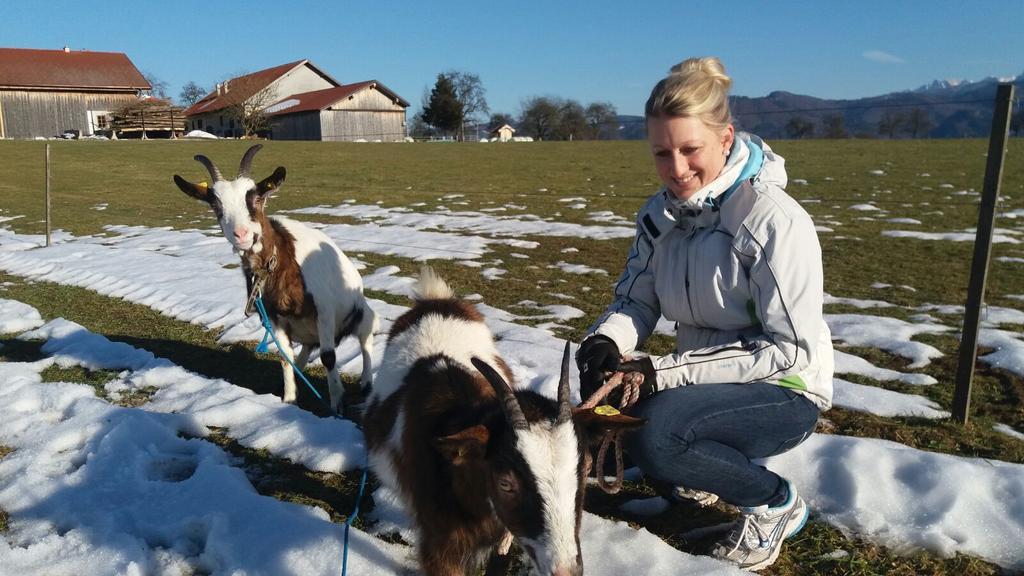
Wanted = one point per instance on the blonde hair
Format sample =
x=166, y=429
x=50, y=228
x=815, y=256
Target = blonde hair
x=696, y=87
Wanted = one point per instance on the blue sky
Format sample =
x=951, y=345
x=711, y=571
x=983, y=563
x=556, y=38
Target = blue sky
x=590, y=51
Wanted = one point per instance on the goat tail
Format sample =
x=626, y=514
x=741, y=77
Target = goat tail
x=431, y=286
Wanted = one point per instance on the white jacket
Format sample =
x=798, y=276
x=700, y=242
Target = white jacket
x=738, y=268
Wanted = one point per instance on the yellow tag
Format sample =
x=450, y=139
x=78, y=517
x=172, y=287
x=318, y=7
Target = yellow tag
x=606, y=410
x=203, y=184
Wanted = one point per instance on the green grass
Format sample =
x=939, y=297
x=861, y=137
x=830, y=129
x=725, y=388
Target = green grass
x=134, y=180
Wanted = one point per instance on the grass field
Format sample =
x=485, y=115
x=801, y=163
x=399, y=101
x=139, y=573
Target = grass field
x=934, y=182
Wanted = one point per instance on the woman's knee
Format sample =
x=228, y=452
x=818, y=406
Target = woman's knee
x=652, y=447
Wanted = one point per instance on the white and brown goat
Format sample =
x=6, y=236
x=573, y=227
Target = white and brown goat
x=472, y=459
x=311, y=291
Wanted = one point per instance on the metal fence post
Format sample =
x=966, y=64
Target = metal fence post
x=982, y=252
x=47, y=193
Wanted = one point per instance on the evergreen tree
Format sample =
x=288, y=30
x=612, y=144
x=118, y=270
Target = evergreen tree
x=443, y=110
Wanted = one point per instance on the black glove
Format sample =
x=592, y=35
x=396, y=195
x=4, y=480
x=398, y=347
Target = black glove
x=646, y=367
x=596, y=355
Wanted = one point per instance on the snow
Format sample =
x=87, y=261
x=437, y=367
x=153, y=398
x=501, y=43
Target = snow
x=17, y=317
x=200, y=134
x=94, y=488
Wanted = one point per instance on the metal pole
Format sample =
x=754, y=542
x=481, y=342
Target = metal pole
x=47, y=193
x=982, y=252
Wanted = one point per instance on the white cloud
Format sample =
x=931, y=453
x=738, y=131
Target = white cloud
x=883, y=57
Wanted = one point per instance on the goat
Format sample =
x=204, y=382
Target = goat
x=312, y=293
x=473, y=460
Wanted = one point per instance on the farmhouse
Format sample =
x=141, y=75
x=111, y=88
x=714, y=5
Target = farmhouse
x=299, y=101
x=45, y=93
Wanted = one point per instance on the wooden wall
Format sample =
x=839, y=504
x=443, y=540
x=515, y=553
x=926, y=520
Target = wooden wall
x=301, y=126
x=30, y=113
x=371, y=125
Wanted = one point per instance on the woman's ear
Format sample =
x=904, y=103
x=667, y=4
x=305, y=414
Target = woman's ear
x=728, y=136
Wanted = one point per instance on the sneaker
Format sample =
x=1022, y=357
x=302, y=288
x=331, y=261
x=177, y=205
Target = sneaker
x=756, y=538
x=698, y=497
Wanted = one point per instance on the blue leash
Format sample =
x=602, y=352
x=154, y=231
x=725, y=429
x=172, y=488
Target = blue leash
x=262, y=348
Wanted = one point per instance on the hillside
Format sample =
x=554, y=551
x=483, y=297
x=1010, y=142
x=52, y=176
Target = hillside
x=953, y=110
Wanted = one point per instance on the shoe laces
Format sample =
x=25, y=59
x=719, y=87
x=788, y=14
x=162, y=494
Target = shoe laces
x=743, y=534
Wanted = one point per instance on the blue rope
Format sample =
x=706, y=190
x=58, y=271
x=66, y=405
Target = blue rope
x=263, y=347
x=348, y=522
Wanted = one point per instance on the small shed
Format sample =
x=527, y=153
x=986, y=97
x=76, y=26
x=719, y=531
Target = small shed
x=45, y=93
x=364, y=111
x=503, y=133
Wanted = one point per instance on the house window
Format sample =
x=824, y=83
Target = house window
x=98, y=120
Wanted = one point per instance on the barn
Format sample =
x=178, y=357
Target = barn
x=45, y=93
x=362, y=111
x=299, y=101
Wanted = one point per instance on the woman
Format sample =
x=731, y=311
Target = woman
x=723, y=252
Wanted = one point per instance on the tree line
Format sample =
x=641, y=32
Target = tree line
x=914, y=123
x=458, y=101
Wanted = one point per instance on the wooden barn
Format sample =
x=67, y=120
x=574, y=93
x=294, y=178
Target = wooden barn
x=299, y=102
x=362, y=111
x=45, y=93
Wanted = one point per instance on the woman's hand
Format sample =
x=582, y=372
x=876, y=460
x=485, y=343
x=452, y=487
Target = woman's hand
x=596, y=356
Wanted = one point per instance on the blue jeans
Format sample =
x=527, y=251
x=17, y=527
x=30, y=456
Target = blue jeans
x=703, y=437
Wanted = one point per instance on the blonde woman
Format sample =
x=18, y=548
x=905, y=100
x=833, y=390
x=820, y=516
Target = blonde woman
x=726, y=254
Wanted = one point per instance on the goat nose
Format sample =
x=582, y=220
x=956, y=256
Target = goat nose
x=241, y=233
x=567, y=571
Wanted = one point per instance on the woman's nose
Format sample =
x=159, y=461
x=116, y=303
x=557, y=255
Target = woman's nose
x=679, y=166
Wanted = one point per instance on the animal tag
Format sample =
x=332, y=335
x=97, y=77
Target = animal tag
x=606, y=410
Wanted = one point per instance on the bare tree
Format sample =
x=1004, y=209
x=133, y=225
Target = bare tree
x=159, y=86
x=539, y=117
x=247, y=105
x=799, y=127
x=470, y=93
x=891, y=123
x=834, y=127
x=572, y=121
x=602, y=119
x=190, y=93
x=918, y=122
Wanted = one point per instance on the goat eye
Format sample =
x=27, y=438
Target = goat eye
x=506, y=485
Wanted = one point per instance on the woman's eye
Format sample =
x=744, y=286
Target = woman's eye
x=689, y=151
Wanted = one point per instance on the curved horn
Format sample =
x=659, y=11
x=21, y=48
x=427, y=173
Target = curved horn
x=243, y=168
x=214, y=171
x=509, y=404
x=564, y=409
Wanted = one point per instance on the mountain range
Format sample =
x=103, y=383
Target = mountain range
x=940, y=109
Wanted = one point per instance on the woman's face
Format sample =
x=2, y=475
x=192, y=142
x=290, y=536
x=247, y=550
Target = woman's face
x=687, y=153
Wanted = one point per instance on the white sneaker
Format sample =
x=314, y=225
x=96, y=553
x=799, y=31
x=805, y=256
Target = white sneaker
x=756, y=538
x=699, y=497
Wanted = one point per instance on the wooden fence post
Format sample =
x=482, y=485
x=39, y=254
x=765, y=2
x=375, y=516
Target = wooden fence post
x=47, y=193
x=982, y=252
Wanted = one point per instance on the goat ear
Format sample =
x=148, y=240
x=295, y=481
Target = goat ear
x=595, y=421
x=465, y=446
x=198, y=191
x=271, y=183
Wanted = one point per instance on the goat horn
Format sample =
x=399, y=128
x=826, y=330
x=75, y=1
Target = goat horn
x=214, y=171
x=564, y=410
x=509, y=404
x=243, y=168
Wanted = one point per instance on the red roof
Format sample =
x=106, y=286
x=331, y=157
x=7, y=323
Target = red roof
x=320, y=99
x=28, y=68
x=242, y=88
